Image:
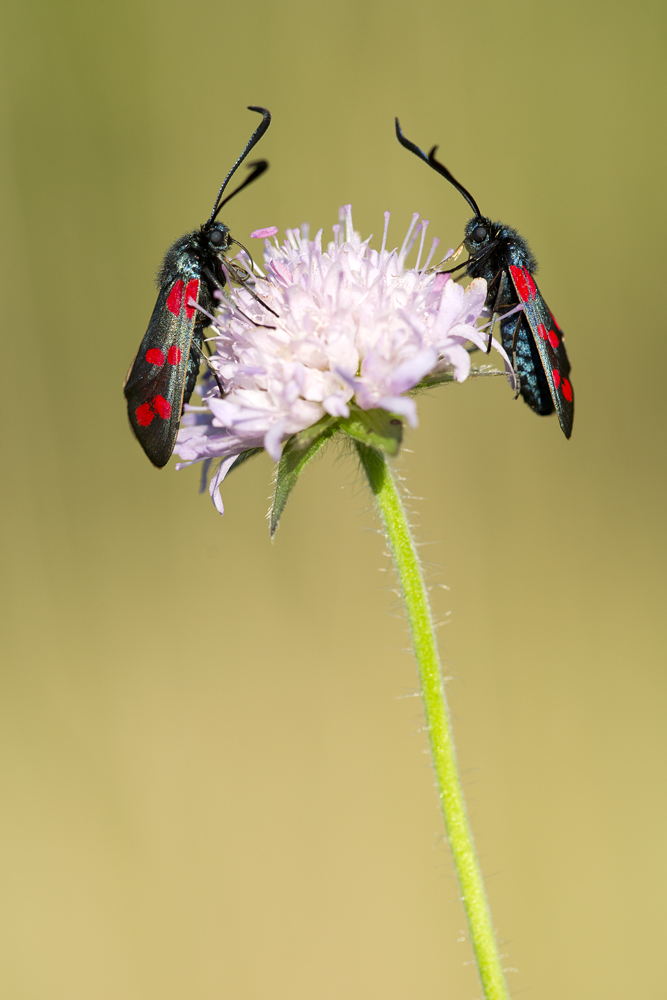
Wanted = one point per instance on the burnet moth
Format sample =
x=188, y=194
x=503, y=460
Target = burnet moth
x=531, y=336
x=165, y=370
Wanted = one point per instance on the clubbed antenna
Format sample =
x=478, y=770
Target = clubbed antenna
x=438, y=167
x=259, y=167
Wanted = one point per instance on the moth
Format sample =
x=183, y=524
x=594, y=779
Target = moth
x=165, y=369
x=531, y=336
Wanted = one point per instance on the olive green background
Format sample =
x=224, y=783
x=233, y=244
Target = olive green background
x=214, y=780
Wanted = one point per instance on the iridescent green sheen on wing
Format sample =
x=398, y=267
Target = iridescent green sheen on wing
x=169, y=337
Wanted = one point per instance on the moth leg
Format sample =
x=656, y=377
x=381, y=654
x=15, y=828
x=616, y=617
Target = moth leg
x=264, y=326
x=502, y=286
x=255, y=296
x=493, y=281
x=236, y=273
x=203, y=357
x=233, y=273
x=471, y=350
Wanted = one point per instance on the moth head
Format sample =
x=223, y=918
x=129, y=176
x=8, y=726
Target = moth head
x=479, y=232
x=217, y=236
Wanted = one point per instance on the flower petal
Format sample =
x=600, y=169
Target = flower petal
x=218, y=476
x=350, y=325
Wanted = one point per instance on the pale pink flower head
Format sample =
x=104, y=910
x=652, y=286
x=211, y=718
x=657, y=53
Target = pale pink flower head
x=324, y=331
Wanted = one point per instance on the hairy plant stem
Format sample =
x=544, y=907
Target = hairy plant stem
x=473, y=896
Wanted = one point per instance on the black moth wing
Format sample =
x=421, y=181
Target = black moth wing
x=548, y=339
x=165, y=369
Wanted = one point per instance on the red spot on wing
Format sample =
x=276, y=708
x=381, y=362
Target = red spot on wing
x=542, y=330
x=155, y=356
x=191, y=293
x=556, y=375
x=553, y=339
x=520, y=282
x=567, y=390
x=144, y=414
x=175, y=298
x=162, y=407
x=174, y=355
x=523, y=280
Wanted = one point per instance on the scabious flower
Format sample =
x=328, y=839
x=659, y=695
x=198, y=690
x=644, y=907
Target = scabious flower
x=327, y=331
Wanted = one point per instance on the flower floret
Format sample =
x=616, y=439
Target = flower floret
x=322, y=330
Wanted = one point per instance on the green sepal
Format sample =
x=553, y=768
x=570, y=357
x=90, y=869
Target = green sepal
x=486, y=371
x=297, y=452
x=377, y=428
x=431, y=380
x=244, y=456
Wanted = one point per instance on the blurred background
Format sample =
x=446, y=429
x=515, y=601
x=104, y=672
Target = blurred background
x=214, y=782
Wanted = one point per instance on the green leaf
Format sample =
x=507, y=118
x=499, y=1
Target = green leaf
x=297, y=452
x=377, y=428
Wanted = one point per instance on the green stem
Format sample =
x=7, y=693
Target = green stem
x=437, y=719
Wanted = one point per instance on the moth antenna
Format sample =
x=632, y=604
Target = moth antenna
x=440, y=168
x=252, y=141
x=258, y=168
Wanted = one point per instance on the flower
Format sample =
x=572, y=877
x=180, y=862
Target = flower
x=323, y=330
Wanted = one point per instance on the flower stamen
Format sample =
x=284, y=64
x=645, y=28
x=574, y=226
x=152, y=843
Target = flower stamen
x=354, y=329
